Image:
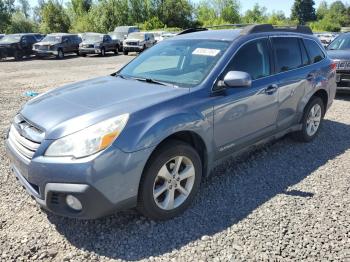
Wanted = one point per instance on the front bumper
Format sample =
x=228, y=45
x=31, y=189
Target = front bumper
x=6, y=52
x=45, y=52
x=103, y=184
x=132, y=48
x=89, y=50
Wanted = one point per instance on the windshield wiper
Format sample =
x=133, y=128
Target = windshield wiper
x=147, y=80
x=152, y=81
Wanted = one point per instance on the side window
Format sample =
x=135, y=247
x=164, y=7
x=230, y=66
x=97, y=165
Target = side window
x=252, y=58
x=24, y=40
x=314, y=51
x=65, y=40
x=304, y=56
x=108, y=38
x=288, y=53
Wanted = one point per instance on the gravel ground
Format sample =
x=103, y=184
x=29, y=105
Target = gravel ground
x=287, y=201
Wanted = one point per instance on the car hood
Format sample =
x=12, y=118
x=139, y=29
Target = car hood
x=339, y=54
x=76, y=106
x=133, y=40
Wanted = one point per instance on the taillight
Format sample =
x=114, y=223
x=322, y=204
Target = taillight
x=334, y=66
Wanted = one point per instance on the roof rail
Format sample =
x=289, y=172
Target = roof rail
x=192, y=30
x=252, y=29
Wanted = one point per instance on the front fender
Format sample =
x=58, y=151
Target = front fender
x=152, y=131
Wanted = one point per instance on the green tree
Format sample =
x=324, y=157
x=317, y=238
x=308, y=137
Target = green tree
x=322, y=10
x=176, y=13
x=303, y=11
x=5, y=16
x=21, y=24
x=54, y=18
x=255, y=15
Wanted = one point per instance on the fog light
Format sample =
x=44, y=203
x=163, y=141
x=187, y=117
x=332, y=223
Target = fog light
x=73, y=203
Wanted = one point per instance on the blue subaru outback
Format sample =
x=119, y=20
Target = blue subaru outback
x=145, y=136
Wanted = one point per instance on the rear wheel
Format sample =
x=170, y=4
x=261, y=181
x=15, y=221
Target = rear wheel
x=170, y=181
x=311, y=121
x=18, y=55
x=60, y=54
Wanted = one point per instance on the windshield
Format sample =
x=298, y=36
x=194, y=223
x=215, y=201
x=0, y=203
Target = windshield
x=183, y=63
x=11, y=38
x=340, y=43
x=117, y=35
x=52, y=38
x=93, y=38
x=138, y=36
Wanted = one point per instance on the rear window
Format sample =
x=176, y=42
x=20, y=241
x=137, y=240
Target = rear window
x=314, y=50
x=288, y=53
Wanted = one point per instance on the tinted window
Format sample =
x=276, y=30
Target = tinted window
x=304, y=55
x=314, y=50
x=252, y=58
x=288, y=53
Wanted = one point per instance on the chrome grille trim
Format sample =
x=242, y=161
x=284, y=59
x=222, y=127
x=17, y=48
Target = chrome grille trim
x=24, y=146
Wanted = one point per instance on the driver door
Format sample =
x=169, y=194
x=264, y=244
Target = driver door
x=247, y=114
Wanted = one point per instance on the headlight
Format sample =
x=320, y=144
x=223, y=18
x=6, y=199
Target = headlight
x=90, y=140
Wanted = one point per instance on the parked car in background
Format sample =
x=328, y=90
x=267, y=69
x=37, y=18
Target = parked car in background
x=58, y=45
x=118, y=36
x=168, y=35
x=339, y=51
x=158, y=35
x=146, y=135
x=326, y=38
x=94, y=43
x=17, y=45
x=126, y=30
x=138, y=42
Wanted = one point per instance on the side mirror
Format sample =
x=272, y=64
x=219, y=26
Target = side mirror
x=236, y=79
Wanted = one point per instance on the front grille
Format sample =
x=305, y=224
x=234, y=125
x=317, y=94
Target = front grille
x=131, y=43
x=24, y=137
x=88, y=46
x=44, y=47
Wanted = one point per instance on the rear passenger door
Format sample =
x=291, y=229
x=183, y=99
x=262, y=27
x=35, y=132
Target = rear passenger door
x=293, y=75
x=245, y=115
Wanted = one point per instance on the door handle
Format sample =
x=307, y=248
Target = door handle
x=271, y=89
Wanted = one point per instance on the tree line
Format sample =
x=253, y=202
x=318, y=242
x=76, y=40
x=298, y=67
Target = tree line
x=104, y=15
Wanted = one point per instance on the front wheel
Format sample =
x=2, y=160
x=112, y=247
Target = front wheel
x=125, y=52
x=170, y=181
x=18, y=55
x=103, y=52
x=116, y=51
x=311, y=121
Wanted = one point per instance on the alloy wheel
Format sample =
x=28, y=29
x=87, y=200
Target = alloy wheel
x=313, y=120
x=174, y=183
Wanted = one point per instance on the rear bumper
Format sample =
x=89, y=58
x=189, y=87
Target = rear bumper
x=343, y=81
x=103, y=184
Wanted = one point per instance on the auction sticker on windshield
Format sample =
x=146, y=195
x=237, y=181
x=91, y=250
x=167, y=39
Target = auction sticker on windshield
x=206, y=52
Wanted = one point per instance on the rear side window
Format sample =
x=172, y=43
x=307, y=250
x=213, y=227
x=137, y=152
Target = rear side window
x=288, y=54
x=304, y=55
x=314, y=50
x=253, y=58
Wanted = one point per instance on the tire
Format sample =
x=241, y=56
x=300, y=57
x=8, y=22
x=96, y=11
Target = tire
x=83, y=55
x=60, y=54
x=125, y=52
x=116, y=51
x=103, y=52
x=313, y=116
x=163, y=161
x=18, y=55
